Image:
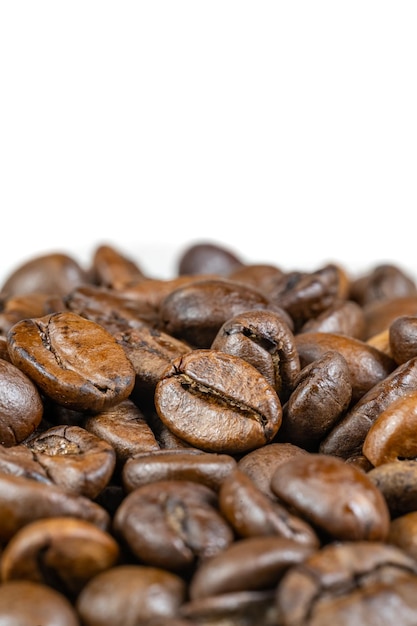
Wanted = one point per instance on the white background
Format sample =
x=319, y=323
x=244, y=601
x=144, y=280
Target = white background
x=286, y=131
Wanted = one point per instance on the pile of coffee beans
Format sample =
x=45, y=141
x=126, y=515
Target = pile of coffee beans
x=232, y=446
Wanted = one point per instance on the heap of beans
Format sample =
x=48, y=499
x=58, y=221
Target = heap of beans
x=235, y=445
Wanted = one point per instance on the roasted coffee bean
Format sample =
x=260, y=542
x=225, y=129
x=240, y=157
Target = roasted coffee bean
x=380, y=315
x=173, y=524
x=26, y=603
x=322, y=394
x=262, y=276
x=336, y=498
x=347, y=584
x=208, y=258
x=392, y=435
x=129, y=595
x=383, y=282
x=74, y=361
x=195, y=313
x=20, y=307
x=402, y=335
x=4, y=353
x=62, y=552
x=347, y=437
x=311, y=293
x=367, y=365
x=125, y=428
x=23, y=500
x=247, y=564
x=108, y=308
x=19, y=460
x=343, y=317
x=21, y=407
x=150, y=351
x=74, y=459
x=403, y=533
x=207, y=468
x=54, y=273
x=112, y=268
x=260, y=464
x=251, y=513
x=397, y=481
x=218, y=402
x=238, y=608
x=264, y=339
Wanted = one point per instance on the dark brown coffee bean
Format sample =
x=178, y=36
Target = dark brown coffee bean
x=397, y=481
x=54, y=273
x=403, y=533
x=380, y=315
x=129, y=595
x=150, y=351
x=218, y=402
x=25, y=603
x=253, y=514
x=311, y=293
x=321, y=396
x=392, y=435
x=347, y=437
x=383, y=282
x=367, y=365
x=402, y=336
x=21, y=407
x=112, y=268
x=125, y=428
x=74, y=361
x=62, y=552
x=264, y=339
x=347, y=584
x=247, y=564
x=74, y=459
x=208, y=258
x=334, y=497
x=108, y=308
x=20, y=461
x=173, y=524
x=262, y=276
x=344, y=317
x=196, y=312
x=260, y=464
x=207, y=468
x=238, y=608
x=23, y=500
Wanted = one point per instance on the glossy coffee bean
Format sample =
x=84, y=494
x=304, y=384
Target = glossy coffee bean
x=74, y=361
x=397, y=481
x=74, y=459
x=264, y=339
x=322, y=394
x=380, y=315
x=260, y=464
x=26, y=603
x=402, y=335
x=218, y=402
x=336, y=498
x=343, y=317
x=403, y=533
x=237, y=608
x=54, y=273
x=392, y=435
x=113, y=268
x=206, y=468
x=251, y=513
x=367, y=365
x=350, y=583
x=23, y=500
x=21, y=406
x=125, y=429
x=347, y=437
x=62, y=552
x=247, y=564
x=129, y=595
x=208, y=258
x=382, y=283
x=173, y=524
x=196, y=312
